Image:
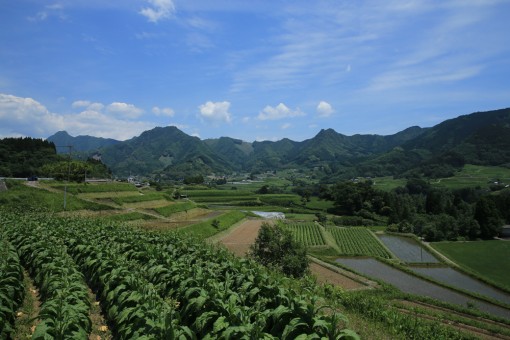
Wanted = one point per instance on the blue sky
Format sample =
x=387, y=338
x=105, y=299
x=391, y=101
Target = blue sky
x=254, y=70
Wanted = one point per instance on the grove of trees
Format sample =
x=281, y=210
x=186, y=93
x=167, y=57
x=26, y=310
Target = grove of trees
x=433, y=213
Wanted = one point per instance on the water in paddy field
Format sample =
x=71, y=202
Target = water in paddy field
x=455, y=278
x=270, y=215
x=408, y=283
x=407, y=249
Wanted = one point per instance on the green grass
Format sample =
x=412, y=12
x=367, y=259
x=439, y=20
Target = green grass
x=488, y=259
x=470, y=176
x=206, y=229
x=388, y=183
x=152, y=196
x=194, y=194
x=474, y=176
x=132, y=216
x=175, y=208
x=77, y=188
x=21, y=197
x=316, y=203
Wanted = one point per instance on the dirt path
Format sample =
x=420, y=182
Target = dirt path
x=26, y=317
x=100, y=330
x=239, y=239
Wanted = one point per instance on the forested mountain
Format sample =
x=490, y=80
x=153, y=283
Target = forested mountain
x=79, y=143
x=478, y=138
x=165, y=151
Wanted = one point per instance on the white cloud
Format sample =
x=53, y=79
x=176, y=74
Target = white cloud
x=217, y=111
x=278, y=112
x=286, y=126
x=324, y=109
x=27, y=117
x=125, y=110
x=81, y=103
x=164, y=111
x=159, y=10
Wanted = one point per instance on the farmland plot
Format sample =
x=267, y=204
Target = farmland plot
x=414, y=285
x=407, y=249
x=358, y=241
x=308, y=233
x=161, y=286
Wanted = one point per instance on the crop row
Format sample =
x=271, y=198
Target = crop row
x=307, y=233
x=167, y=286
x=358, y=241
x=65, y=305
x=11, y=286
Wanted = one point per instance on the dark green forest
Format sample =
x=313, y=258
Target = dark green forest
x=32, y=157
x=432, y=213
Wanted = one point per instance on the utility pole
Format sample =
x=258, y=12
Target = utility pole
x=70, y=147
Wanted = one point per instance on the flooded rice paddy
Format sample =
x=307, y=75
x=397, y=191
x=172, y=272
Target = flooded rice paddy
x=408, y=283
x=455, y=278
x=407, y=249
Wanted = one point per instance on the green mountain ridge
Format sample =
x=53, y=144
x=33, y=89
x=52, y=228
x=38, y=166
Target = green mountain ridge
x=477, y=138
x=80, y=143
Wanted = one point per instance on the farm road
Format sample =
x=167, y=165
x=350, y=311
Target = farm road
x=239, y=239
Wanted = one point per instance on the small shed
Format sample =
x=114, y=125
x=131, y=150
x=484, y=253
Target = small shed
x=505, y=231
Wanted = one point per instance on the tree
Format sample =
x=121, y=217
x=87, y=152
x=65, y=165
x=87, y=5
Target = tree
x=276, y=248
x=487, y=216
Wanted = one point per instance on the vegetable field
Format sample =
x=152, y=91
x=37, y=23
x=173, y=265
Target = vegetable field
x=11, y=285
x=358, y=241
x=307, y=233
x=154, y=285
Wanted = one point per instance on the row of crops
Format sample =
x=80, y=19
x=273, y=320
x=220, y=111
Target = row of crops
x=307, y=233
x=11, y=285
x=358, y=241
x=151, y=285
x=353, y=241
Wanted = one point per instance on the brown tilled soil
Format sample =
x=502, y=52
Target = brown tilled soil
x=325, y=275
x=240, y=238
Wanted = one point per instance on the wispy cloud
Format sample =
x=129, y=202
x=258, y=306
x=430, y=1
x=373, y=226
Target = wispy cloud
x=158, y=10
x=164, y=111
x=53, y=10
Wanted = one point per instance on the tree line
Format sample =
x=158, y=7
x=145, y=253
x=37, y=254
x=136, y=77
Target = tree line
x=433, y=213
x=26, y=157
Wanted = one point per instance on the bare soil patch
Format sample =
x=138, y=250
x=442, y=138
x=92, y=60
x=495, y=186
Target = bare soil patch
x=242, y=237
x=325, y=275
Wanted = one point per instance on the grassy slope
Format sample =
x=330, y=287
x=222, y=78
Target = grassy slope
x=206, y=229
x=470, y=176
x=20, y=196
x=489, y=259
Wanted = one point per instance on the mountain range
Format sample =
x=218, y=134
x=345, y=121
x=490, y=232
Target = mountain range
x=477, y=138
